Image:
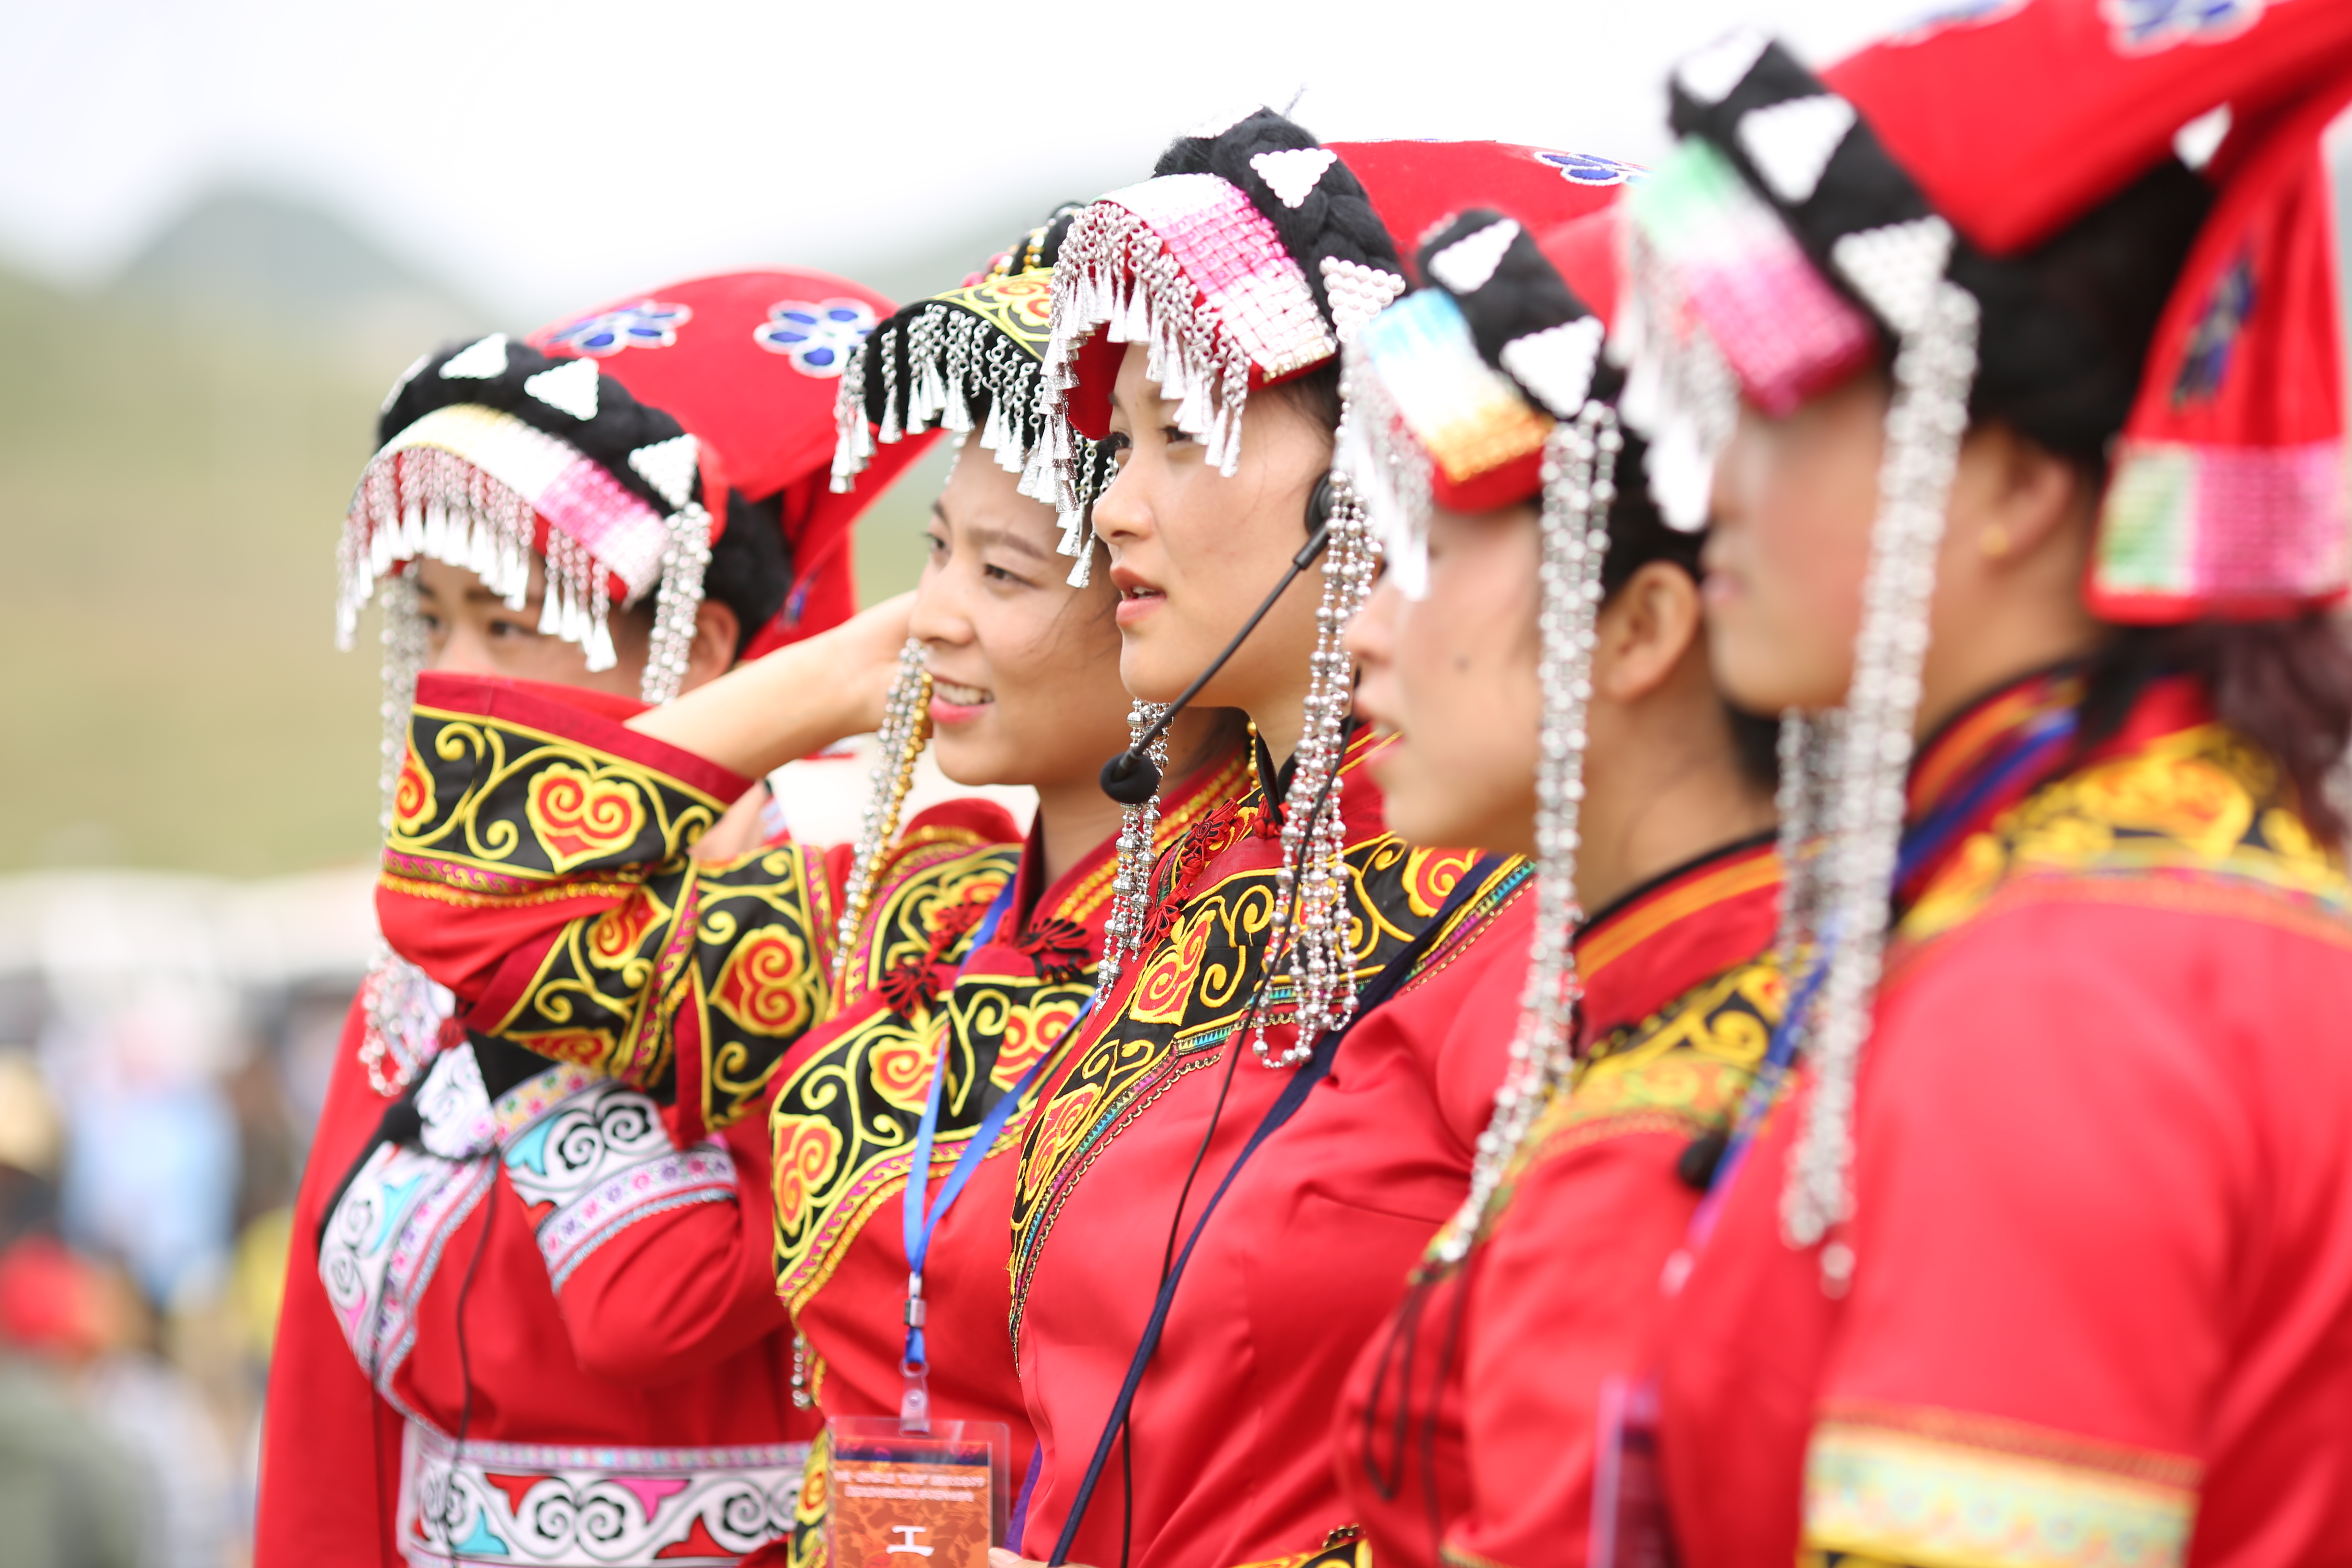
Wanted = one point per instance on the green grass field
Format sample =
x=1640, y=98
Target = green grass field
x=170, y=492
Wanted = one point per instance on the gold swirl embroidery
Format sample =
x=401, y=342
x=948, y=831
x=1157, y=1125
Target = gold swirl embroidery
x=764, y=986
x=579, y=816
x=1685, y=1067
x=807, y=1151
x=507, y=799
x=413, y=797
x=2201, y=800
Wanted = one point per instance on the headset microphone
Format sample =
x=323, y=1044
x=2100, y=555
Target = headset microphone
x=1131, y=777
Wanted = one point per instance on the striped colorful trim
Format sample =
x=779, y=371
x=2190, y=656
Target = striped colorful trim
x=1456, y=407
x=1785, y=331
x=1636, y=926
x=1899, y=1494
x=2189, y=526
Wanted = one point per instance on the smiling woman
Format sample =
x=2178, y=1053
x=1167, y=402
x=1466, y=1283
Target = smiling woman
x=556, y=534
x=904, y=993
x=1023, y=666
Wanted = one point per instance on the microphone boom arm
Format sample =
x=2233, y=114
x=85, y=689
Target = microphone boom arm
x=1130, y=778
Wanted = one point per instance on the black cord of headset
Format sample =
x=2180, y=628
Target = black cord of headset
x=1200, y=1154
x=1130, y=779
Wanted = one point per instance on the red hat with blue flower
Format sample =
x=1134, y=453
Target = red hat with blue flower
x=623, y=445
x=1807, y=223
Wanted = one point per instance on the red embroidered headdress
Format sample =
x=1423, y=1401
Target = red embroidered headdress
x=1252, y=255
x=1808, y=224
x=619, y=445
x=1457, y=387
x=1806, y=221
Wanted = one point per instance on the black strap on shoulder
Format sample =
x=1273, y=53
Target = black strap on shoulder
x=1392, y=976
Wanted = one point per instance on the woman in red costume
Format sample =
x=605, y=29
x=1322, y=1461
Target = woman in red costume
x=1529, y=603
x=621, y=504
x=1219, y=1203
x=2027, y=441
x=849, y=1005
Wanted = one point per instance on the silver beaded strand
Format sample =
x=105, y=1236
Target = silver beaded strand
x=905, y=727
x=1809, y=747
x=1935, y=366
x=1131, y=898
x=685, y=557
x=1579, y=469
x=1311, y=918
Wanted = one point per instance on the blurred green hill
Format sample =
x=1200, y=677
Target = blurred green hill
x=175, y=453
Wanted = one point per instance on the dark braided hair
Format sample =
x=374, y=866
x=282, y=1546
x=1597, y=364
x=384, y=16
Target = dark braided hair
x=1336, y=220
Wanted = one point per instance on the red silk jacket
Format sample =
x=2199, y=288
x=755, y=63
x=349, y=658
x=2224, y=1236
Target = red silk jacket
x=2101, y=1311
x=1466, y=1433
x=1229, y=1434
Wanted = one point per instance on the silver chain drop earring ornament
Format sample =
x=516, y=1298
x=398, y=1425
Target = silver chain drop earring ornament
x=685, y=560
x=1131, y=898
x=1580, y=470
x=1934, y=369
x=1809, y=748
x=905, y=727
x=1311, y=922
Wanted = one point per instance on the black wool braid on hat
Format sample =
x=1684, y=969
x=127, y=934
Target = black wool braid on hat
x=2050, y=360
x=1524, y=294
x=1336, y=220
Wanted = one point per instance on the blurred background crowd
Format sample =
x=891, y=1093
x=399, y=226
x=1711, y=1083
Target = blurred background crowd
x=225, y=228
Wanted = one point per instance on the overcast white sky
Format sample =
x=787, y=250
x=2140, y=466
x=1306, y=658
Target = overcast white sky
x=539, y=154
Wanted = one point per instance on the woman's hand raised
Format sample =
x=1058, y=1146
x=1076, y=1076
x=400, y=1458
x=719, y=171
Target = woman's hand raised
x=798, y=699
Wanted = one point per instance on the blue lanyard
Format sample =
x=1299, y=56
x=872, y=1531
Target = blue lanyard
x=920, y=1224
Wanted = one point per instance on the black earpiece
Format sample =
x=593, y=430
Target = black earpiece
x=1319, y=506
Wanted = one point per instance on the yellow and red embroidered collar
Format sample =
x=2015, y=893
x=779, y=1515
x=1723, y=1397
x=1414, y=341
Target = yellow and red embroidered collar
x=1667, y=935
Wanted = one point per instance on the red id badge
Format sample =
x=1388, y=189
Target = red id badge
x=899, y=1500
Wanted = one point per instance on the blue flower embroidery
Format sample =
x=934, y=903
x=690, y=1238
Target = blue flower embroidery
x=1952, y=13
x=650, y=325
x=1584, y=169
x=2143, y=27
x=818, y=337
